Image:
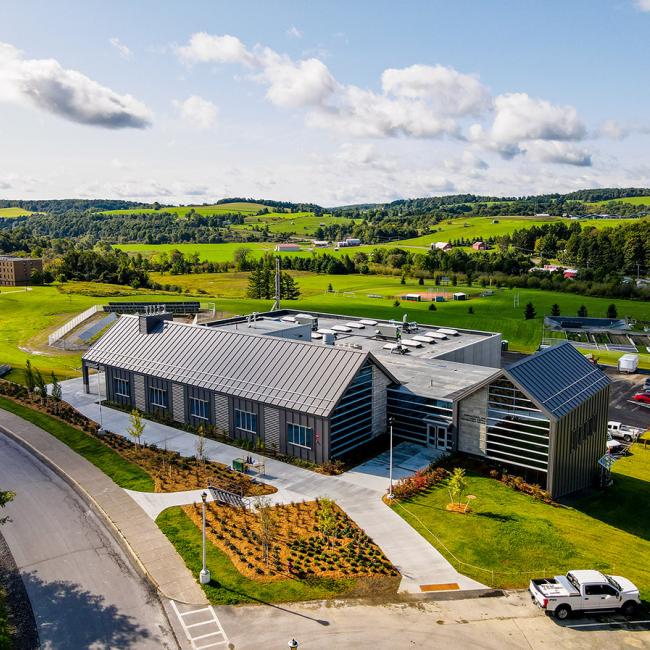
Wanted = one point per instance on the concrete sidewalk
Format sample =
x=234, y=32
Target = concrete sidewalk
x=358, y=492
x=152, y=552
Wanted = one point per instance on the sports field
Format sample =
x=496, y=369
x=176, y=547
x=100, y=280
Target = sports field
x=9, y=213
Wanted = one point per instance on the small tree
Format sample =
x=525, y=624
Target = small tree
x=612, y=312
x=329, y=287
x=326, y=518
x=457, y=485
x=421, y=281
x=29, y=377
x=432, y=307
x=57, y=394
x=200, y=446
x=5, y=498
x=529, y=312
x=403, y=280
x=268, y=524
x=136, y=426
x=555, y=310
x=470, y=310
x=396, y=303
x=582, y=312
x=40, y=386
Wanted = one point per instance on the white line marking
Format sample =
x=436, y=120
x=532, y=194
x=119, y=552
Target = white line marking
x=187, y=628
x=194, y=611
x=203, y=636
x=201, y=623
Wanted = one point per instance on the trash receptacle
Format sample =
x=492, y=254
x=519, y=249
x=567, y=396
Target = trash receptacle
x=238, y=464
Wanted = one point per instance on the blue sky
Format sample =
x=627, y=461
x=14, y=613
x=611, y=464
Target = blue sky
x=332, y=102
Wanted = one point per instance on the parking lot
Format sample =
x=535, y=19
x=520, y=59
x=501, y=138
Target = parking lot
x=622, y=408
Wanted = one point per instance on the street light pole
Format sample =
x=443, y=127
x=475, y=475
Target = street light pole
x=204, y=576
x=390, y=460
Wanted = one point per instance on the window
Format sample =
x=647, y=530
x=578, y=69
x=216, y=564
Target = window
x=593, y=590
x=157, y=397
x=122, y=387
x=299, y=435
x=199, y=408
x=246, y=421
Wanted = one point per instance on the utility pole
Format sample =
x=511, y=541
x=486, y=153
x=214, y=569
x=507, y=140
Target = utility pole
x=204, y=575
x=276, y=304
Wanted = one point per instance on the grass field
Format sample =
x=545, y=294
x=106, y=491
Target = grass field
x=237, y=207
x=13, y=212
x=303, y=224
x=632, y=200
x=125, y=474
x=228, y=586
x=517, y=537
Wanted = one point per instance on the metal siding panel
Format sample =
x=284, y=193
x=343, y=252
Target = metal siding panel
x=178, y=402
x=221, y=412
x=139, y=392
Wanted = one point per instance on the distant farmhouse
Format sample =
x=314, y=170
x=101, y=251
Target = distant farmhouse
x=320, y=387
x=441, y=246
x=479, y=246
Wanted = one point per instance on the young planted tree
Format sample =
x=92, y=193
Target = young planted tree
x=30, y=382
x=56, y=392
x=200, y=447
x=268, y=525
x=582, y=311
x=457, y=486
x=136, y=426
x=555, y=310
x=326, y=518
x=289, y=289
x=612, y=312
x=40, y=386
x=529, y=311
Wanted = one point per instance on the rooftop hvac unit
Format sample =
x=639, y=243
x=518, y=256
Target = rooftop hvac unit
x=388, y=331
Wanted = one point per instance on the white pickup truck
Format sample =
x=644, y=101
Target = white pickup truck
x=623, y=431
x=584, y=591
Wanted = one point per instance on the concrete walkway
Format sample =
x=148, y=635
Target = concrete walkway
x=137, y=533
x=358, y=492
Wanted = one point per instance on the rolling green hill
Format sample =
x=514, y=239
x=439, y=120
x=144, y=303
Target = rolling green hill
x=9, y=213
x=238, y=208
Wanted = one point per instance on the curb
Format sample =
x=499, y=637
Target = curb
x=78, y=488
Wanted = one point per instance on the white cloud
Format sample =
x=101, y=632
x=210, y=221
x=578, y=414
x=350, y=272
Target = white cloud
x=294, y=32
x=643, y=5
x=123, y=50
x=558, y=152
x=44, y=83
x=206, y=48
x=198, y=112
x=449, y=92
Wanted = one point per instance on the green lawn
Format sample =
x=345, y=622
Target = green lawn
x=633, y=200
x=228, y=586
x=124, y=473
x=512, y=537
x=14, y=212
x=181, y=211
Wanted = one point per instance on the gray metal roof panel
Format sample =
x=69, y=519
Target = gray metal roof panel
x=292, y=374
x=558, y=379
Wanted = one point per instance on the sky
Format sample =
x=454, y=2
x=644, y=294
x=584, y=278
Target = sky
x=332, y=102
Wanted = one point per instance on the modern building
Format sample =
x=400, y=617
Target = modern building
x=320, y=386
x=287, y=248
x=17, y=271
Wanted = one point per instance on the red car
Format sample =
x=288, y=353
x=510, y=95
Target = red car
x=642, y=397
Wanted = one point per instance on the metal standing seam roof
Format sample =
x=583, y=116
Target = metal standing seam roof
x=558, y=379
x=292, y=374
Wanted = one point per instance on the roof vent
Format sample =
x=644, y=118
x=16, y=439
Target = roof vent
x=153, y=315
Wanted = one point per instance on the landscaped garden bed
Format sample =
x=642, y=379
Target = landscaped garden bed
x=307, y=540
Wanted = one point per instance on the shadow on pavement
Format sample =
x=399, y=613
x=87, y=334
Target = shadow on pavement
x=69, y=616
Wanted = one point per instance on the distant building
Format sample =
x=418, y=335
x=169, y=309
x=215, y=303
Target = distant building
x=569, y=274
x=320, y=243
x=17, y=271
x=479, y=246
x=441, y=246
x=341, y=244
x=287, y=248
x=460, y=296
x=351, y=241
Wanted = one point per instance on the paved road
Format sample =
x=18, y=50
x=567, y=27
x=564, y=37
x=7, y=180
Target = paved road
x=621, y=406
x=510, y=623
x=84, y=593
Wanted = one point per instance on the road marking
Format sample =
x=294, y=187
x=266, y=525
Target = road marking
x=608, y=623
x=203, y=634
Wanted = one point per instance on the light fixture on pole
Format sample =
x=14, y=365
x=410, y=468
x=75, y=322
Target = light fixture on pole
x=390, y=460
x=204, y=576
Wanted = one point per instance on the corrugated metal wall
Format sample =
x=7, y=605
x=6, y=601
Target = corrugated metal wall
x=138, y=391
x=272, y=428
x=178, y=402
x=221, y=412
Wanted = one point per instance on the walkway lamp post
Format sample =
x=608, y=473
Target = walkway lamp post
x=293, y=644
x=204, y=576
x=390, y=460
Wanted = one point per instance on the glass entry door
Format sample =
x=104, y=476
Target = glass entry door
x=439, y=437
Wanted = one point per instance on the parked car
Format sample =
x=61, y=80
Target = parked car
x=644, y=398
x=584, y=591
x=623, y=431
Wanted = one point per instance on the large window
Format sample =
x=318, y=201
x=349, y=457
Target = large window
x=246, y=421
x=299, y=435
x=122, y=387
x=199, y=408
x=157, y=397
